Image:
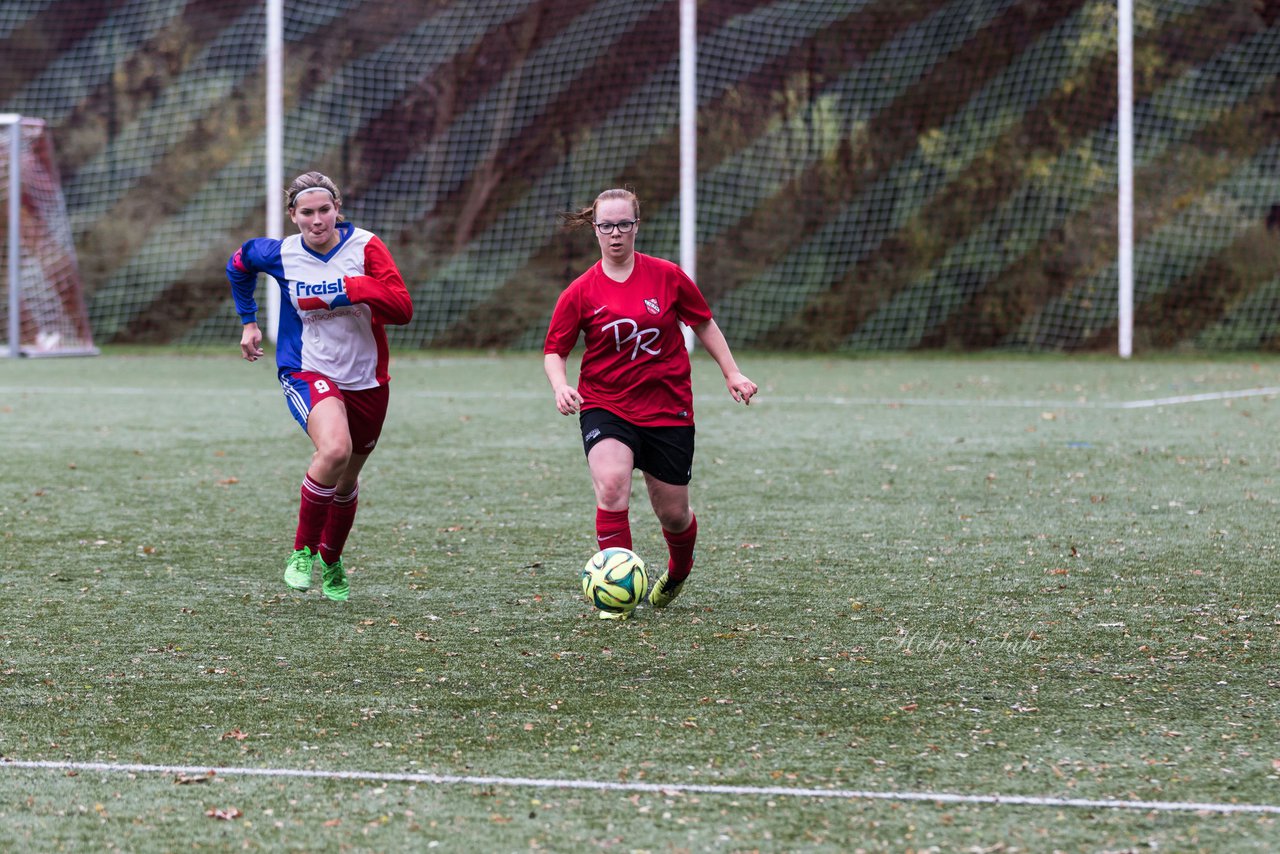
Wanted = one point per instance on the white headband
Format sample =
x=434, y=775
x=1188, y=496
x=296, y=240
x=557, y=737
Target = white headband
x=308, y=190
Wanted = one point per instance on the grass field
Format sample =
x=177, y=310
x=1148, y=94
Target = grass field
x=922, y=583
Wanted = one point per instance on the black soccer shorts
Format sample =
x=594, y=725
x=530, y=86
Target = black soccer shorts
x=664, y=452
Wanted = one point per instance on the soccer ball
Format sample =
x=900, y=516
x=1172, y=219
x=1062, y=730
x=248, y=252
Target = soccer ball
x=615, y=580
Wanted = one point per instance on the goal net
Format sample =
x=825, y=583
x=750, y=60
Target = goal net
x=43, y=307
x=872, y=174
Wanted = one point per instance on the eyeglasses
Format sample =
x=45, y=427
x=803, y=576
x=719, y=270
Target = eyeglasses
x=623, y=227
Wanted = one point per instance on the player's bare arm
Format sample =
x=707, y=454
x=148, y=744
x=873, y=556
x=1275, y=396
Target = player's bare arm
x=713, y=341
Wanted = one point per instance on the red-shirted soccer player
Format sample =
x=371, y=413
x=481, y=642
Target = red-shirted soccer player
x=634, y=394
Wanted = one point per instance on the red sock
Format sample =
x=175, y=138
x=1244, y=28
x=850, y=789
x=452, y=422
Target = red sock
x=312, y=513
x=680, y=547
x=613, y=528
x=336, y=528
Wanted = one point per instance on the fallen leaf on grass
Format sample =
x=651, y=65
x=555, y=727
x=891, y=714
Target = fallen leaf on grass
x=188, y=779
x=224, y=815
x=235, y=733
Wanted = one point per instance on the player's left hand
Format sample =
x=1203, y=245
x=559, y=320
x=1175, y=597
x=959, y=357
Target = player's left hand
x=741, y=388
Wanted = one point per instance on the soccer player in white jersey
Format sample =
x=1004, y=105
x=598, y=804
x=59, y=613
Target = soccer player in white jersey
x=634, y=397
x=339, y=288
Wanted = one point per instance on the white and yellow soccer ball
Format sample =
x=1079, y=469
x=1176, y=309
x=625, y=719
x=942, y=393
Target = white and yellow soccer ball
x=615, y=581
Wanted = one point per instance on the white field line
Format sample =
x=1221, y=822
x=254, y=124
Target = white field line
x=1197, y=398
x=764, y=399
x=997, y=403
x=655, y=788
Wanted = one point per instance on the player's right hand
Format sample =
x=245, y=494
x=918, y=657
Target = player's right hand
x=251, y=342
x=568, y=401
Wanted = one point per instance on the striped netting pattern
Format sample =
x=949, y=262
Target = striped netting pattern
x=872, y=174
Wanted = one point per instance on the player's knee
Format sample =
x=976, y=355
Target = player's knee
x=334, y=454
x=675, y=519
x=613, y=493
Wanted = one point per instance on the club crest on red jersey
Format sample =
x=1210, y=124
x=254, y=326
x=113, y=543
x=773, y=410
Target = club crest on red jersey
x=651, y=305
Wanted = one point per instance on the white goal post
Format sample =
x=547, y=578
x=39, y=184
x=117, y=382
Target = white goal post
x=689, y=146
x=45, y=312
x=13, y=123
x=1124, y=169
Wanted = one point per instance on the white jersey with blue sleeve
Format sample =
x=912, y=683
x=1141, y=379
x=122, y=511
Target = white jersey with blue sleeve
x=333, y=307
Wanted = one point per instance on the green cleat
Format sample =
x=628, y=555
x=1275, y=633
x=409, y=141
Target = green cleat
x=297, y=572
x=664, y=591
x=333, y=580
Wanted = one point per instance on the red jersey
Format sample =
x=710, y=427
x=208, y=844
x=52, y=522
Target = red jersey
x=635, y=364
